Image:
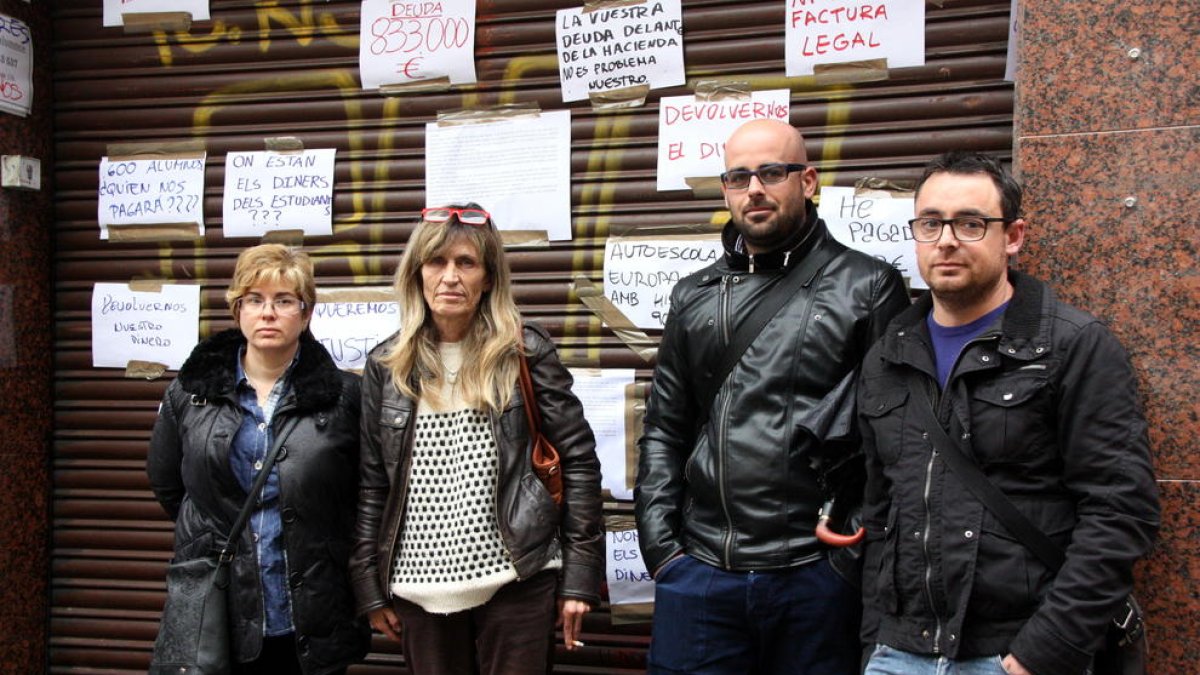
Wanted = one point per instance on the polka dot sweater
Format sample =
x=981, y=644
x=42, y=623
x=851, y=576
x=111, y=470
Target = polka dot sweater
x=450, y=557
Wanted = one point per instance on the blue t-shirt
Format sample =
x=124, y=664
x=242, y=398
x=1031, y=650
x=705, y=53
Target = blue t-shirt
x=948, y=341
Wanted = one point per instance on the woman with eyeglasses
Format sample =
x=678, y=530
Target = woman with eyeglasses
x=242, y=392
x=462, y=555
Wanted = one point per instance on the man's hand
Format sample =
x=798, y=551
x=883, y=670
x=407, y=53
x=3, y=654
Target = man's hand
x=384, y=620
x=1013, y=667
x=570, y=618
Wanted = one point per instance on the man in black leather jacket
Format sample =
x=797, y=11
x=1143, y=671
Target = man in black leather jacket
x=1042, y=398
x=729, y=488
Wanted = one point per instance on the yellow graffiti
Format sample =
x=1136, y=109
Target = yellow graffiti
x=194, y=44
x=302, y=27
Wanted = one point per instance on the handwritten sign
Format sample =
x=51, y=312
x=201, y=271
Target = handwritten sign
x=115, y=9
x=874, y=225
x=628, y=580
x=403, y=42
x=602, y=393
x=151, y=192
x=16, y=66
x=267, y=191
x=130, y=325
x=518, y=168
x=692, y=133
x=620, y=47
x=1014, y=41
x=841, y=31
x=639, y=273
x=351, y=322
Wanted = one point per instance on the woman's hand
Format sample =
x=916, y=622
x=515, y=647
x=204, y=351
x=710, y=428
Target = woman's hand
x=570, y=618
x=384, y=620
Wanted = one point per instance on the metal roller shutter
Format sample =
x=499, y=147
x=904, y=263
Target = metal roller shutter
x=263, y=69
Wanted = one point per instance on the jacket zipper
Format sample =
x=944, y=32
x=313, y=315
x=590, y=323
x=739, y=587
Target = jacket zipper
x=937, y=632
x=722, y=424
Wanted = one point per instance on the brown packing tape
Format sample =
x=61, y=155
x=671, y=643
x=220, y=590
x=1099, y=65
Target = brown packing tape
x=148, y=22
x=285, y=237
x=508, y=111
x=638, y=612
x=688, y=230
x=147, y=370
x=635, y=418
x=530, y=238
x=619, y=522
x=420, y=86
x=593, y=297
x=619, y=99
x=722, y=90
x=871, y=70
x=357, y=295
x=590, y=6
x=284, y=144
x=875, y=187
x=193, y=149
x=147, y=285
x=705, y=186
x=156, y=232
x=576, y=357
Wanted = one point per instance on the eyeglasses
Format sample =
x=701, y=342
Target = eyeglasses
x=476, y=217
x=282, y=306
x=965, y=228
x=769, y=174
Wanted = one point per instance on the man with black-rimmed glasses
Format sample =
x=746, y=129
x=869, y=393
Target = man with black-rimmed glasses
x=749, y=429
x=988, y=382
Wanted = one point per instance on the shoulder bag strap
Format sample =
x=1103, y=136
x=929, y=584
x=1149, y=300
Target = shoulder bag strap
x=251, y=499
x=532, y=416
x=978, y=483
x=786, y=289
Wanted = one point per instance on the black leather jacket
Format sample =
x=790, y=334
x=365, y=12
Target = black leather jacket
x=738, y=486
x=317, y=425
x=1049, y=401
x=532, y=527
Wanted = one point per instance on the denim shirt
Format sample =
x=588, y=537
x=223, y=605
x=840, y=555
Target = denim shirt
x=246, y=457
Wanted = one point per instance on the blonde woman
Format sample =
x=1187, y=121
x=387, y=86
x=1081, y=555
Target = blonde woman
x=268, y=382
x=461, y=553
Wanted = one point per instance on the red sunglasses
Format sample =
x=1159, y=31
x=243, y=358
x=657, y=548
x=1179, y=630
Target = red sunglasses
x=476, y=217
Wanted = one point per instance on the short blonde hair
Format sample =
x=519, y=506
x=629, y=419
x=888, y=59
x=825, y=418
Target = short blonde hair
x=272, y=264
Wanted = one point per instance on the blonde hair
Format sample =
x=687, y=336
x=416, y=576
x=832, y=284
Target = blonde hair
x=272, y=264
x=490, y=346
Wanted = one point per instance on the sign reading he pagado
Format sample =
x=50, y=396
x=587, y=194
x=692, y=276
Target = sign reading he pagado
x=267, y=191
x=620, y=47
x=639, y=273
x=151, y=192
x=876, y=225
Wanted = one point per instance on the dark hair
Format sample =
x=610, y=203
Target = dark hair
x=965, y=162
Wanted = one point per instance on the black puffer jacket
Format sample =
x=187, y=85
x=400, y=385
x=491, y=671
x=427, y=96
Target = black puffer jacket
x=1048, y=400
x=742, y=491
x=317, y=425
x=531, y=526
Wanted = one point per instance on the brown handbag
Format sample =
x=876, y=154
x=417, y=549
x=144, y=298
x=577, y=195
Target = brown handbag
x=545, y=459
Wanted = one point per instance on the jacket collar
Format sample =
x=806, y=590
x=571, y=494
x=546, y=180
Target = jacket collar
x=789, y=254
x=1024, y=329
x=211, y=371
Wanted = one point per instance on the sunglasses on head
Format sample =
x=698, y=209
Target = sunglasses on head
x=442, y=214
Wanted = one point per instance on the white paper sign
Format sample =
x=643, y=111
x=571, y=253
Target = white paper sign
x=603, y=396
x=639, y=273
x=621, y=47
x=1014, y=41
x=628, y=580
x=840, y=31
x=692, y=134
x=519, y=169
x=874, y=225
x=113, y=9
x=130, y=325
x=150, y=192
x=16, y=66
x=403, y=42
x=266, y=191
x=350, y=329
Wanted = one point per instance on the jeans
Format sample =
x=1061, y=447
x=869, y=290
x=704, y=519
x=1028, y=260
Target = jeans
x=888, y=661
x=713, y=622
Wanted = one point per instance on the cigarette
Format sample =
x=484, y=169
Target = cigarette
x=577, y=643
